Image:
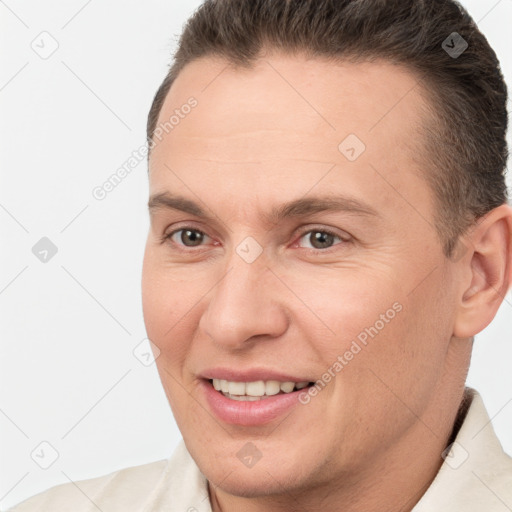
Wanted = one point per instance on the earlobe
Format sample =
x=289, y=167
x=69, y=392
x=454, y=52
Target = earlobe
x=490, y=269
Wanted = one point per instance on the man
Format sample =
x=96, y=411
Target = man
x=329, y=231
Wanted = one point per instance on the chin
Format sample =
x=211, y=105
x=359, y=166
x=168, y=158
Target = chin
x=250, y=483
x=269, y=476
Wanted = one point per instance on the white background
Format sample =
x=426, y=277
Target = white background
x=69, y=326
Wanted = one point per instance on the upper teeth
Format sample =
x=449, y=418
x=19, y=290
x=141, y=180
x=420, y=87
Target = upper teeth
x=257, y=388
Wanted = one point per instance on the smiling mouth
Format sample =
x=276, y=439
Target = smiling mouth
x=257, y=390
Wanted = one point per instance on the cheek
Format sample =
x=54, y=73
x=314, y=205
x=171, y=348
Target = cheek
x=345, y=306
x=165, y=297
x=159, y=308
x=171, y=306
x=165, y=319
x=387, y=337
x=406, y=358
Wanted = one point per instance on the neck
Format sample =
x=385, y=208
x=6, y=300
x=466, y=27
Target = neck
x=396, y=480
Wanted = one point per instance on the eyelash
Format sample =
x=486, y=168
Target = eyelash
x=327, y=232
x=167, y=237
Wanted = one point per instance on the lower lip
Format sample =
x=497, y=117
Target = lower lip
x=249, y=413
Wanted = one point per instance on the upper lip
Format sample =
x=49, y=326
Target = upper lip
x=250, y=375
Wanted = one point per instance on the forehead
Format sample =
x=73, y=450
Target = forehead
x=285, y=122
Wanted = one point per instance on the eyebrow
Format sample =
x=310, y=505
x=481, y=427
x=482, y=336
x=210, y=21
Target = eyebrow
x=297, y=208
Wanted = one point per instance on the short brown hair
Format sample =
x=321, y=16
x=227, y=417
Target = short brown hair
x=464, y=144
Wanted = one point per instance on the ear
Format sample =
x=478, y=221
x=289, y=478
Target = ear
x=486, y=270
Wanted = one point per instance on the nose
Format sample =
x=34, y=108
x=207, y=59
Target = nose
x=246, y=305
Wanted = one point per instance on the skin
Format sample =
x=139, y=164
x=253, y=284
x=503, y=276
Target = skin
x=372, y=439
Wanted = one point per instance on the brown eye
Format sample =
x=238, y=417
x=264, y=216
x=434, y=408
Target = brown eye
x=187, y=237
x=320, y=239
x=192, y=236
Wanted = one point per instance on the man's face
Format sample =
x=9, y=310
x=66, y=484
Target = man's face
x=356, y=298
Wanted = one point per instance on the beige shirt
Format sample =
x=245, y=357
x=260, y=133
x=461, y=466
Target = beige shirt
x=476, y=476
